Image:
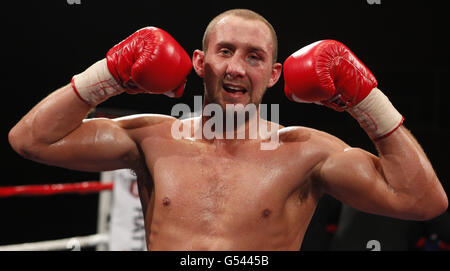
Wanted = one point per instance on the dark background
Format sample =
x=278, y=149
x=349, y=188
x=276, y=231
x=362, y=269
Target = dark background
x=47, y=42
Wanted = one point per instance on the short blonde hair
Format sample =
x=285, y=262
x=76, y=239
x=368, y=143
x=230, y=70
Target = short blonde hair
x=246, y=14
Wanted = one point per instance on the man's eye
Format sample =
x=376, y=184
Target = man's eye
x=225, y=52
x=253, y=59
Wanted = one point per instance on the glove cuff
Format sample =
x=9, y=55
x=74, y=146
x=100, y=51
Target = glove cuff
x=96, y=84
x=376, y=115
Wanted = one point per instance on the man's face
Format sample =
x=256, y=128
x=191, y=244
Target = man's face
x=237, y=66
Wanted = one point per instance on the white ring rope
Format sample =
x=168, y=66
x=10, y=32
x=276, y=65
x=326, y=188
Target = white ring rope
x=72, y=243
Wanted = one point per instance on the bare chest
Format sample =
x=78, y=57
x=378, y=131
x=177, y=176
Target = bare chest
x=192, y=179
x=215, y=183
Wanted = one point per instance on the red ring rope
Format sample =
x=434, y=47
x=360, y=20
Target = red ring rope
x=52, y=189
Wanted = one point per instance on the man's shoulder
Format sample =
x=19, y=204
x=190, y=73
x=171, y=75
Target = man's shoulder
x=301, y=133
x=314, y=136
x=143, y=120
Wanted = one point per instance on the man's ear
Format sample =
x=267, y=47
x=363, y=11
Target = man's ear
x=276, y=73
x=198, y=62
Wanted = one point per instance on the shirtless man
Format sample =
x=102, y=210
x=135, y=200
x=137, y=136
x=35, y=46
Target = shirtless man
x=228, y=194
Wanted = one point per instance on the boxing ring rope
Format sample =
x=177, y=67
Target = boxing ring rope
x=72, y=243
x=100, y=239
x=52, y=189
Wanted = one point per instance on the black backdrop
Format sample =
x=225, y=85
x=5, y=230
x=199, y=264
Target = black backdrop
x=46, y=42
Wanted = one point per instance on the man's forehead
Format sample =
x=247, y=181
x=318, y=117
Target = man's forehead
x=233, y=28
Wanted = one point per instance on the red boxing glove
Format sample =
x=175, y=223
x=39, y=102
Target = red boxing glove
x=329, y=73
x=150, y=61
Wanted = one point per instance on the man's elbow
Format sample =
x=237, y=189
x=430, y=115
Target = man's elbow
x=440, y=200
x=20, y=144
x=435, y=208
x=13, y=139
x=440, y=208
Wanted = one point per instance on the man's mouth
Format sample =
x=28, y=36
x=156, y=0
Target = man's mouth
x=235, y=89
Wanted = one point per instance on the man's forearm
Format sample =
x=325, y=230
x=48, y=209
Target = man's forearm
x=409, y=172
x=50, y=120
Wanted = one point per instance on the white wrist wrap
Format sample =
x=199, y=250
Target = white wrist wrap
x=96, y=84
x=376, y=115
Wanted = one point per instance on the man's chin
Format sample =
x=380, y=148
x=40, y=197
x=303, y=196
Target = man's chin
x=230, y=102
x=235, y=104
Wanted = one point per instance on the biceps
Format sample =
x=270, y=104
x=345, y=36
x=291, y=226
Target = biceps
x=96, y=145
x=356, y=178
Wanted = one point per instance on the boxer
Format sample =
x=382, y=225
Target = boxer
x=228, y=194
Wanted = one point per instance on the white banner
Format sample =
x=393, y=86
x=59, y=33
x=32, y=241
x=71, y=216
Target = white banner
x=127, y=230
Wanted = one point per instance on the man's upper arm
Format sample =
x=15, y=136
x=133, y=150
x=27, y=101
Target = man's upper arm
x=355, y=177
x=98, y=144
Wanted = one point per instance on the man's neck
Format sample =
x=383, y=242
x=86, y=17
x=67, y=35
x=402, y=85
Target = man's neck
x=230, y=126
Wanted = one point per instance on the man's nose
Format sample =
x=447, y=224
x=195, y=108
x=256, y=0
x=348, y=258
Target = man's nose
x=235, y=67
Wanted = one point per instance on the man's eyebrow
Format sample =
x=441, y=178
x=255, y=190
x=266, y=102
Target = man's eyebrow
x=250, y=48
x=257, y=49
x=224, y=44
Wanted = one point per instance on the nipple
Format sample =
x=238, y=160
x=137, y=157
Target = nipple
x=166, y=201
x=266, y=213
